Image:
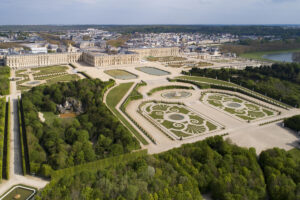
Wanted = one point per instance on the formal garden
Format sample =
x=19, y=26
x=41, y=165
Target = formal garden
x=237, y=106
x=43, y=75
x=177, y=120
x=165, y=59
x=19, y=192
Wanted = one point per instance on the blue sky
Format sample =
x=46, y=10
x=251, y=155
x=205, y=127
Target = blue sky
x=149, y=12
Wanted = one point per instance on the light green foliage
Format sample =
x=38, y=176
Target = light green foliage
x=210, y=166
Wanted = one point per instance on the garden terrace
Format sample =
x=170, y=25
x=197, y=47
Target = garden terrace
x=237, y=106
x=177, y=120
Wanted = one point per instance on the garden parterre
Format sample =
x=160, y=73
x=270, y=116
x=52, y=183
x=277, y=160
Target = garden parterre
x=238, y=107
x=177, y=120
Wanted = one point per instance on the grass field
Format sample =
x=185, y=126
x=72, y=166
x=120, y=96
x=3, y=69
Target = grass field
x=49, y=70
x=113, y=98
x=120, y=74
x=258, y=55
x=50, y=117
x=63, y=78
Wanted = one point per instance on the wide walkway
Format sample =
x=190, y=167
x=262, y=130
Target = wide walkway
x=16, y=176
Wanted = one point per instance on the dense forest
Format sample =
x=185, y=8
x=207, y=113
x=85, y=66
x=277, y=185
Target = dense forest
x=293, y=123
x=279, y=81
x=212, y=166
x=282, y=173
x=59, y=142
x=283, y=31
x=4, y=80
x=248, y=46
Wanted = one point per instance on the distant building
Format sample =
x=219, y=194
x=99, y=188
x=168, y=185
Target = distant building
x=36, y=48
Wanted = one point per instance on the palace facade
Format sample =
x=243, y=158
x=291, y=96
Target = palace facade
x=134, y=56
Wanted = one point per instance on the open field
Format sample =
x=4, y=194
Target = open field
x=113, y=98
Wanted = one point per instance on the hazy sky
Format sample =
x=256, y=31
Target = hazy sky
x=149, y=12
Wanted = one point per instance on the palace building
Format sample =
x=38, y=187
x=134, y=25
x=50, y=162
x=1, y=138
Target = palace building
x=96, y=59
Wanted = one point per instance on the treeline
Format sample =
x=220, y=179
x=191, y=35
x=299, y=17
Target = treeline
x=296, y=57
x=4, y=139
x=61, y=143
x=283, y=31
x=53, y=39
x=212, y=166
x=293, y=123
x=4, y=80
x=248, y=46
x=280, y=81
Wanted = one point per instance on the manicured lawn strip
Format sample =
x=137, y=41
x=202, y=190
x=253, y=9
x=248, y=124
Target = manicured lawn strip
x=49, y=76
x=168, y=88
x=165, y=59
x=22, y=143
x=25, y=193
x=49, y=70
x=64, y=78
x=118, y=73
x=6, y=150
x=113, y=98
x=2, y=133
x=210, y=126
x=228, y=84
x=135, y=95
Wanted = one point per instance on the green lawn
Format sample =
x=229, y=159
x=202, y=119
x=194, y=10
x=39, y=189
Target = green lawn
x=120, y=74
x=165, y=59
x=63, y=78
x=113, y=98
x=258, y=55
x=49, y=70
x=206, y=80
x=50, y=117
x=24, y=194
